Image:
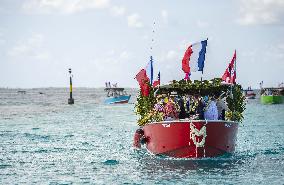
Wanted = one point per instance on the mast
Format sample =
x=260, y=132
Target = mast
x=236, y=63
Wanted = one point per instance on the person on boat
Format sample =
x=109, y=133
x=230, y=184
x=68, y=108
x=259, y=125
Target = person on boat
x=211, y=111
x=221, y=107
x=159, y=106
x=171, y=112
x=182, y=112
x=193, y=106
x=200, y=108
x=187, y=105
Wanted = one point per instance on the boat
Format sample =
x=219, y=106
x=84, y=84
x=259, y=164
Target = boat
x=190, y=137
x=272, y=95
x=207, y=127
x=21, y=92
x=116, y=95
x=249, y=93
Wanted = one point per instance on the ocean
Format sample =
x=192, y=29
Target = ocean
x=43, y=140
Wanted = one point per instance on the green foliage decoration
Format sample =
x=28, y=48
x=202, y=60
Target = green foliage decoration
x=235, y=99
x=236, y=103
x=144, y=106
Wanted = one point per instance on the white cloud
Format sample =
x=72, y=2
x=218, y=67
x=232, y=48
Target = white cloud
x=31, y=47
x=2, y=40
x=75, y=6
x=275, y=51
x=63, y=6
x=125, y=55
x=172, y=55
x=202, y=24
x=164, y=14
x=134, y=21
x=117, y=10
x=261, y=12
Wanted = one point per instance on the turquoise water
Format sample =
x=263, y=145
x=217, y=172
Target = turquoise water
x=45, y=141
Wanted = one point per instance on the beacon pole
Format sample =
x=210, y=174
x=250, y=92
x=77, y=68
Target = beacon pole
x=70, y=100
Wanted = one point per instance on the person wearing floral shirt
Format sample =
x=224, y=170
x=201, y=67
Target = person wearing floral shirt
x=171, y=112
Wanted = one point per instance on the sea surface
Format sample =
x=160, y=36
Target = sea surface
x=43, y=140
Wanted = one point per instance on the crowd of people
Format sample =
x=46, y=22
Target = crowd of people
x=174, y=107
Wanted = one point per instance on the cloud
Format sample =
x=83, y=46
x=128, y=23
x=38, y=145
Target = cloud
x=261, y=12
x=134, y=21
x=76, y=6
x=275, y=51
x=117, y=10
x=31, y=47
x=171, y=55
x=2, y=40
x=164, y=14
x=63, y=6
x=125, y=55
x=202, y=24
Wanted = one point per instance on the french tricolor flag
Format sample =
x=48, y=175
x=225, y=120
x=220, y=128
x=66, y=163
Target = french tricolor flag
x=194, y=57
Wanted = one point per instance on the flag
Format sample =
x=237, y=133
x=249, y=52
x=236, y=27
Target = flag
x=145, y=89
x=141, y=77
x=230, y=75
x=143, y=81
x=149, y=70
x=194, y=57
x=157, y=82
x=185, y=60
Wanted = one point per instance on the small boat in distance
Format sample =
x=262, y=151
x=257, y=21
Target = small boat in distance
x=22, y=92
x=272, y=95
x=116, y=95
x=249, y=93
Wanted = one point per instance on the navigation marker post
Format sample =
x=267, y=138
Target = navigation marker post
x=70, y=100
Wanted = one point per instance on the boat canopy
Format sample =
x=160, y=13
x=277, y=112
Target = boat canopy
x=114, y=89
x=273, y=88
x=272, y=91
x=196, y=87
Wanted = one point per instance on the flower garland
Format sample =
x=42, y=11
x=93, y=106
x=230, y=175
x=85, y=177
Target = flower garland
x=195, y=132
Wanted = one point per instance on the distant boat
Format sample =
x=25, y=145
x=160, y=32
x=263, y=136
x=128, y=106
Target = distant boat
x=249, y=93
x=272, y=95
x=22, y=92
x=116, y=95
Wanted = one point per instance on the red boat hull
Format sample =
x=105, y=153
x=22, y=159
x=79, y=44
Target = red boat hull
x=191, y=139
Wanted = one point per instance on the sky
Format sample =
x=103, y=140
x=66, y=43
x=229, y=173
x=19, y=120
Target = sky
x=110, y=40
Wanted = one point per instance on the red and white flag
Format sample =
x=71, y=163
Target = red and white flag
x=142, y=77
x=143, y=81
x=157, y=82
x=229, y=75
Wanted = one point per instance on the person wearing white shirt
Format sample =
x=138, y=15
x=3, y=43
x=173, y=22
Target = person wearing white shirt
x=211, y=111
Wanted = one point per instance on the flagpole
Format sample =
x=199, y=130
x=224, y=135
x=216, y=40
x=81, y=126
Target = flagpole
x=236, y=63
